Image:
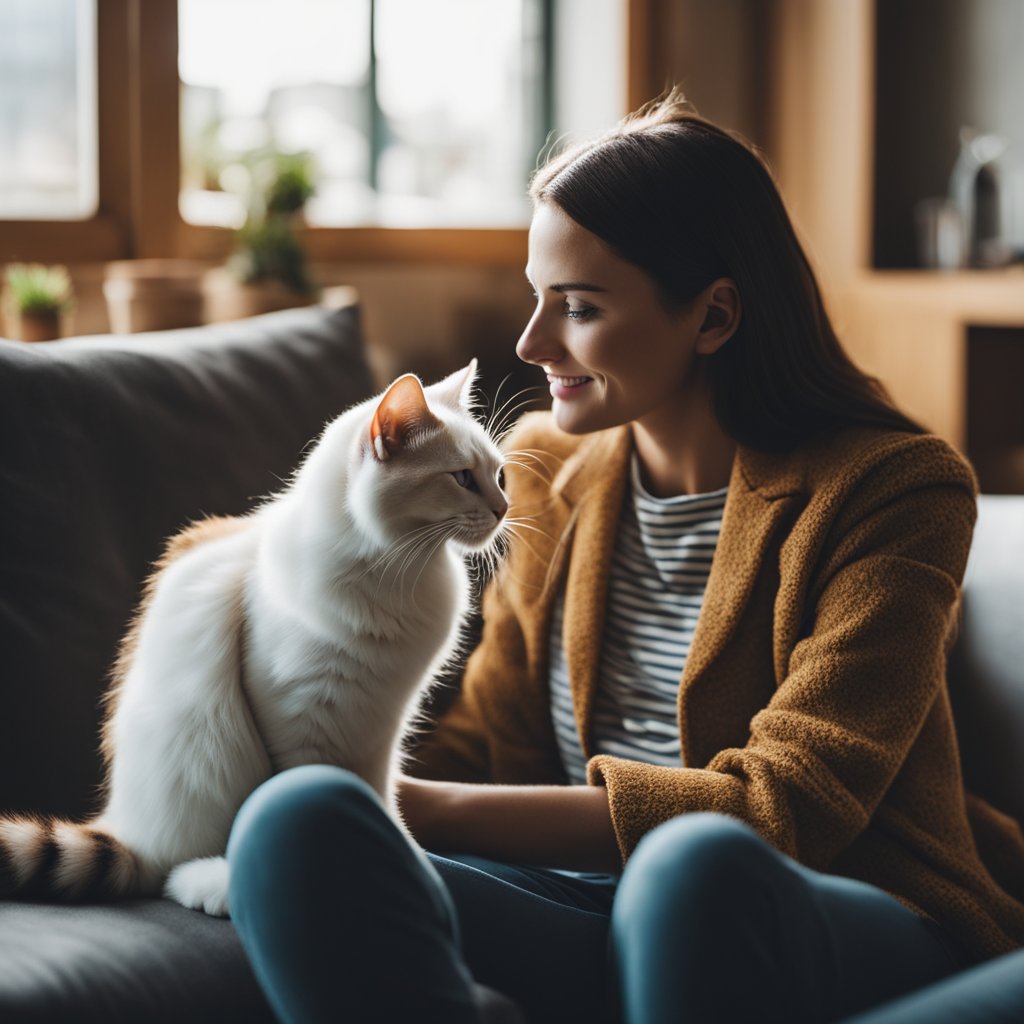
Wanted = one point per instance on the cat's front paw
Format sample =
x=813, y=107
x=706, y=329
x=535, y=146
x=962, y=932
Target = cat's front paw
x=200, y=885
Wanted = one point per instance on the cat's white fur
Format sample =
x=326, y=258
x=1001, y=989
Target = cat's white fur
x=305, y=633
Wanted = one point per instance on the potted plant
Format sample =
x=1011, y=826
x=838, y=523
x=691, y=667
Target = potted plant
x=36, y=300
x=153, y=294
x=268, y=269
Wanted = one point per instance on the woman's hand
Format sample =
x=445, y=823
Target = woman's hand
x=555, y=826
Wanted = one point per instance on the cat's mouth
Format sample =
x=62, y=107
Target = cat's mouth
x=476, y=538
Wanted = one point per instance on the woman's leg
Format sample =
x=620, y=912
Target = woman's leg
x=539, y=935
x=713, y=924
x=341, y=917
x=992, y=993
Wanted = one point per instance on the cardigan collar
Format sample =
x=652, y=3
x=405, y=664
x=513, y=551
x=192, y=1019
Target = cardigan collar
x=604, y=455
x=592, y=480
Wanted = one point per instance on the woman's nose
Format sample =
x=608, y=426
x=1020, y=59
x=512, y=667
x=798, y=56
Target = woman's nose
x=535, y=345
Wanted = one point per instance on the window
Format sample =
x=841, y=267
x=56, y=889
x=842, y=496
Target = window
x=412, y=114
x=48, y=158
x=116, y=142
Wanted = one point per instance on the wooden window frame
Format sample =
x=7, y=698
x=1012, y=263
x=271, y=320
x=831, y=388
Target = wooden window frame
x=138, y=94
x=107, y=234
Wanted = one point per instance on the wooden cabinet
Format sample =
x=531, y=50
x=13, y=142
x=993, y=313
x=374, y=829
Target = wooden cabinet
x=948, y=346
x=950, y=349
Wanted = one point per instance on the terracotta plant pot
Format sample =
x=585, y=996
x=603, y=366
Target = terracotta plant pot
x=153, y=295
x=226, y=298
x=38, y=324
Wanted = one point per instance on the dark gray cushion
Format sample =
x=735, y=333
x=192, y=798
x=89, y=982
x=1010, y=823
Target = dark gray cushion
x=145, y=961
x=140, y=962
x=986, y=669
x=109, y=445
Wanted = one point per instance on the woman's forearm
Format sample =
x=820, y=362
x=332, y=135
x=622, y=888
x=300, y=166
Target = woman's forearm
x=555, y=826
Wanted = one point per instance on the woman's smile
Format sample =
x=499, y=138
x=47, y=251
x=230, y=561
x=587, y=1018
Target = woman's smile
x=565, y=388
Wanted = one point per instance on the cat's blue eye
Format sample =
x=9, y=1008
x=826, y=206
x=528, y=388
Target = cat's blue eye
x=465, y=478
x=501, y=479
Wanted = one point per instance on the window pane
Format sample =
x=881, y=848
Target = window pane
x=457, y=84
x=441, y=129
x=264, y=76
x=48, y=133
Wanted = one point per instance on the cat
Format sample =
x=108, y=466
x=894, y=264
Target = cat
x=303, y=632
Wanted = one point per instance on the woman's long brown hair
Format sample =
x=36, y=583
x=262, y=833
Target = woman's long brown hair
x=688, y=202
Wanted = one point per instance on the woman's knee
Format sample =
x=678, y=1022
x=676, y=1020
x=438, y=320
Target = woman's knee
x=692, y=867
x=300, y=806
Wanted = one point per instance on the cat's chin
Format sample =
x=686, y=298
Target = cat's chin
x=468, y=539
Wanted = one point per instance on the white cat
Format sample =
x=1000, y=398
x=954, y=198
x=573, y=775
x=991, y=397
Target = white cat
x=302, y=633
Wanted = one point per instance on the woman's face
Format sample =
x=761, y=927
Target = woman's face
x=612, y=351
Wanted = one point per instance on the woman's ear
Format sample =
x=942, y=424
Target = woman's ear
x=722, y=312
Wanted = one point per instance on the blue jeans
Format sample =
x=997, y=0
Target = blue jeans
x=343, y=920
x=991, y=993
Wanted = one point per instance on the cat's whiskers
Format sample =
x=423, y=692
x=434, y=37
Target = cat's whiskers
x=498, y=421
x=526, y=522
x=438, y=535
x=408, y=554
x=529, y=459
x=395, y=549
x=426, y=561
x=526, y=467
x=494, y=408
x=514, y=528
x=497, y=409
x=498, y=430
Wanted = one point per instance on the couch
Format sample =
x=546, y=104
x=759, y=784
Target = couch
x=107, y=446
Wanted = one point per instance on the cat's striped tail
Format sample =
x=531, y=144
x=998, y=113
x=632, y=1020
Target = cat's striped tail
x=54, y=860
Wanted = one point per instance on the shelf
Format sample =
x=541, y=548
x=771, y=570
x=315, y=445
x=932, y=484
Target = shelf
x=982, y=297
x=949, y=347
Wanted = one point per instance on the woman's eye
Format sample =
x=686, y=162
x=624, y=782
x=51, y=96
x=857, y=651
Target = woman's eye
x=577, y=314
x=464, y=478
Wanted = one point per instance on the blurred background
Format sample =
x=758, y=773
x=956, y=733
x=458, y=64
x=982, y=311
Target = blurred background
x=190, y=161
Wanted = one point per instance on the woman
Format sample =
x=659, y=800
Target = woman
x=711, y=680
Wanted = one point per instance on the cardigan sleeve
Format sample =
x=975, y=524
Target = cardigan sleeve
x=856, y=688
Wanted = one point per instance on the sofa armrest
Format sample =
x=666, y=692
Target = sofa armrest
x=986, y=668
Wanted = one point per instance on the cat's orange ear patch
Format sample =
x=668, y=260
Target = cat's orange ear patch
x=402, y=410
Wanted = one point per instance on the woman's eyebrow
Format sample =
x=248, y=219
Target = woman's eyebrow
x=571, y=286
x=577, y=286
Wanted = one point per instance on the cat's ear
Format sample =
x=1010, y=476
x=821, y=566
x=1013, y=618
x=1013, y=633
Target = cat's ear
x=401, y=411
x=456, y=390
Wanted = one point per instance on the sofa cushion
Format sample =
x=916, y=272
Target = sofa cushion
x=145, y=960
x=141, y=962
x=108, y=445
x=986, y=670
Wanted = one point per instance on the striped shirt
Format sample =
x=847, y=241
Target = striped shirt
x=659, y=571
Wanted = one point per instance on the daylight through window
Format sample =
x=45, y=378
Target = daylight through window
x=48, y=137
x=407, y=114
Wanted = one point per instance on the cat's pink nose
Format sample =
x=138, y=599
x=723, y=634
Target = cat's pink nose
x=499, y=512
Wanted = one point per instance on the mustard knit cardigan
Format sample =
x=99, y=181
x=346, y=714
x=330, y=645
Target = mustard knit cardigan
x=813, y=704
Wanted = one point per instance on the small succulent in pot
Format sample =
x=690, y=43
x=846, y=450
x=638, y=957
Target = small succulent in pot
x=267, y=247
x=36, y=298
x=267, y=250
x=268, y=269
